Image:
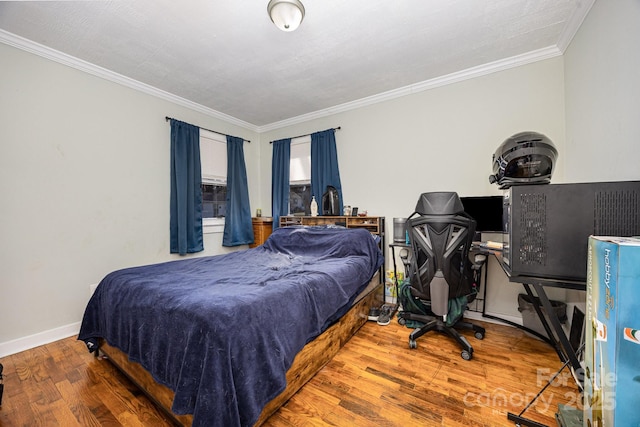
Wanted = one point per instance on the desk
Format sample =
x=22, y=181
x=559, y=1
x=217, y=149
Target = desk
x=566, y=352
x=563, y=347
x=498, y=256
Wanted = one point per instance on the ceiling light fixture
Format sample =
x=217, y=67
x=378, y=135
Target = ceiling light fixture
x=286, y=14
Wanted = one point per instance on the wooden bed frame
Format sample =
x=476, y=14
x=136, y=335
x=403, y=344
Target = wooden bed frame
x=313, y=357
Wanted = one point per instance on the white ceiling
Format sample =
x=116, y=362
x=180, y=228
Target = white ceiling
x=227, y=56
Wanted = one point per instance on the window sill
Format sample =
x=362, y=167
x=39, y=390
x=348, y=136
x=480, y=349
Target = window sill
x=212, y=225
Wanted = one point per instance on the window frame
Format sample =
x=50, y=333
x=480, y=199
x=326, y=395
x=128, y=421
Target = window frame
x=212, y=173
x=303, y=172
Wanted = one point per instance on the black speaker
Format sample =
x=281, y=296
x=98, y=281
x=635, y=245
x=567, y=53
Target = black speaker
x=331, y=202
x=399, y=230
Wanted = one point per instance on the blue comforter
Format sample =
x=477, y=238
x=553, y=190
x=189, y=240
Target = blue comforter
x=222, y=331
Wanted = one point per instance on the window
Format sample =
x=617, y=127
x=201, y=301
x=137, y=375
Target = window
x=300, y=176
x=214, y=200
x=213, y=165
x=300, y=199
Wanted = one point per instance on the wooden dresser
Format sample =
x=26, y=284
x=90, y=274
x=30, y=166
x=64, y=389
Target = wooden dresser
x=262, y=227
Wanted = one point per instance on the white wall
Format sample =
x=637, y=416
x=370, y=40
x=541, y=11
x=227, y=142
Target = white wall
x=602, y=92
x=84, y=184
x=84, y=176
x=438, y=140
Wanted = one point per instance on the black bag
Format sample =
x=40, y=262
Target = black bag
x=409, y=303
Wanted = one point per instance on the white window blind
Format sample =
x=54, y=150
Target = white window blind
x=213, y=157
x=300, y=160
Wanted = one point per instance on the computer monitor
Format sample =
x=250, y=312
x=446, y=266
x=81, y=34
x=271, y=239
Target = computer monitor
x=487, y=211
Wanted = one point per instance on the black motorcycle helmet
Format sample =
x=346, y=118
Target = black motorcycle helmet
x=524, y=158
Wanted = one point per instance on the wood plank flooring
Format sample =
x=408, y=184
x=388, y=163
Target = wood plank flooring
x=375, y=380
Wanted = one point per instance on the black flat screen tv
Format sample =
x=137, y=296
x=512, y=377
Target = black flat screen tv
x=487, y=211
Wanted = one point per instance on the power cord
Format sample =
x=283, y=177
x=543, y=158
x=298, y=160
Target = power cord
x=1, y=383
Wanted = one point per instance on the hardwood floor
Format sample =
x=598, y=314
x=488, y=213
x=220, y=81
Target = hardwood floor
x=375, y=380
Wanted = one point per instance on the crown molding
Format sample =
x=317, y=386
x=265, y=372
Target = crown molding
x=573, y=24
x=95, y=70
x=470, y=73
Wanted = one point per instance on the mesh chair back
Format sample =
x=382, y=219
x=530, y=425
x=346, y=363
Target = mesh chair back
x=441, y=242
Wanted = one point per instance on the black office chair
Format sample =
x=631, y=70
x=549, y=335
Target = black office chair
x=441, y=275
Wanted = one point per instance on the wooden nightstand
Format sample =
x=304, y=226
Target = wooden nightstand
x=262, y=227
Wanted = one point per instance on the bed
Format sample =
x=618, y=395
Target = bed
x=226, y=340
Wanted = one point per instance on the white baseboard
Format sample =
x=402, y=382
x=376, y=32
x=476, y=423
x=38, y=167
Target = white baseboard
x=41, y=338
x=32, y=341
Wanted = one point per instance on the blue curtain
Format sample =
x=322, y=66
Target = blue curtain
x=238, y=229
x=186, y=194
x=324, y=165
x=280, y=180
